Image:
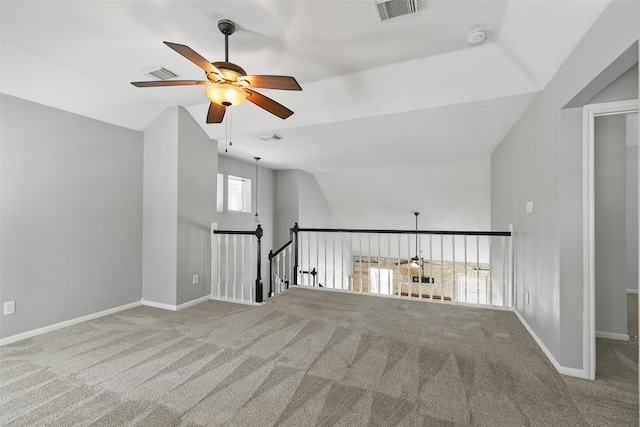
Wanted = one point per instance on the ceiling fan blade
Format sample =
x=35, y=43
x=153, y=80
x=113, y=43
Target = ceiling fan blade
x=272, y=82
x=268, y=104
x=215, y=113
x=170, y=83
x=194, y=57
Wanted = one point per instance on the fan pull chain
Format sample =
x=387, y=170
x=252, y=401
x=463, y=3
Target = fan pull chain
x=227, y=118
x=230, y=124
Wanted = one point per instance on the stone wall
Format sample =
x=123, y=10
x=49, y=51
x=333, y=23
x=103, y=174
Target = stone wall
x=438, y=275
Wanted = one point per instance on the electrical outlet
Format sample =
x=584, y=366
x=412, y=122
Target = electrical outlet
x=195, y=279
x=9, y=307
x=529, y=207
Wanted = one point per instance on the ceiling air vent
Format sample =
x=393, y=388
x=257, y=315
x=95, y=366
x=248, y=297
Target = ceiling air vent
x=160, y=73
x=272, y=137
x=394, y=8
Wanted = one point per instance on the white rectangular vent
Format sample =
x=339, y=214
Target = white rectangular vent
x=273, y=137
x=160, y=73
x=394, y=8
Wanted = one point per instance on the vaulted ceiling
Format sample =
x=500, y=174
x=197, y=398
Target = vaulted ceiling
x=394, y=116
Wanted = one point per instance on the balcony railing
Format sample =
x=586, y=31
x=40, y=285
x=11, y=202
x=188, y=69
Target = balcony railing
x=463, y=267
x=238, y=265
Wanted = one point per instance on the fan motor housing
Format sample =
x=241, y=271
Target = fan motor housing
x=230, y=71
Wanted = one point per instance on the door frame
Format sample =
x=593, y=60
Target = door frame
x=589, y=113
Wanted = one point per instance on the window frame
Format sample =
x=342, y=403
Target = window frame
x=238, y=198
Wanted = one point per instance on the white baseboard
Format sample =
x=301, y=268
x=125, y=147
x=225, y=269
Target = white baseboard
x=161, y=305
x=45, y=329
x=194, y=302
x=238, y=302
x=175, y=307
x=612, y=336
x=572, y=372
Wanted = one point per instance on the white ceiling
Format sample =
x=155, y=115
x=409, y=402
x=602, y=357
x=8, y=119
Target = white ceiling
x=386, y=107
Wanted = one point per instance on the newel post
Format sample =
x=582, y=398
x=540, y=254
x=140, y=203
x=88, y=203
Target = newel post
x=295, y=231
x=270, y=273
x=259, y=233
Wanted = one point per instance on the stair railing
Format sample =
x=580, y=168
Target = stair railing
x=235, y=265
x=283, y=264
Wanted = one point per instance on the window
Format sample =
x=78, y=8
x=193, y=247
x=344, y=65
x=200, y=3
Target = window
x=238, y=194
x=468, y=287
x=380, y=280
x=220, y=196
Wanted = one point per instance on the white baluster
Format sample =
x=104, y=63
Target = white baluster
x=478, y=269
x=454, y=296
x=442, y=268
x=219, y=238
x=235, y=266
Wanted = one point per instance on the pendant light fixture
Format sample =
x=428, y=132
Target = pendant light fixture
x=415, y=261
x=256, y=219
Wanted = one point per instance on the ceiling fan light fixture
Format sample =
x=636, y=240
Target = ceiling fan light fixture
x=227, y=84
x=225, y=94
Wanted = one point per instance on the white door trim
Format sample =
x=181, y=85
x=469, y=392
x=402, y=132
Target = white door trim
x=589, y=113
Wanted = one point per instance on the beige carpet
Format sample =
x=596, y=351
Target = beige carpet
x=306, y=358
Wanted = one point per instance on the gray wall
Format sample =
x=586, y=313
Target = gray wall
x=180, y=166
x=610, y=224
x=624, y=87
x=160, y=203
x=314, y=210
x=532, y=163
x=632, y=201
x=286, y=206
x=570, y=234
x=197, y=177
x=299, y=199
x=71, y=215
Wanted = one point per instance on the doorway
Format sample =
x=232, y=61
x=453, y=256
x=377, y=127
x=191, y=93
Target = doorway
x=593, y=203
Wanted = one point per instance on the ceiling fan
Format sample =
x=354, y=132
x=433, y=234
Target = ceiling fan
x=228, y=84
